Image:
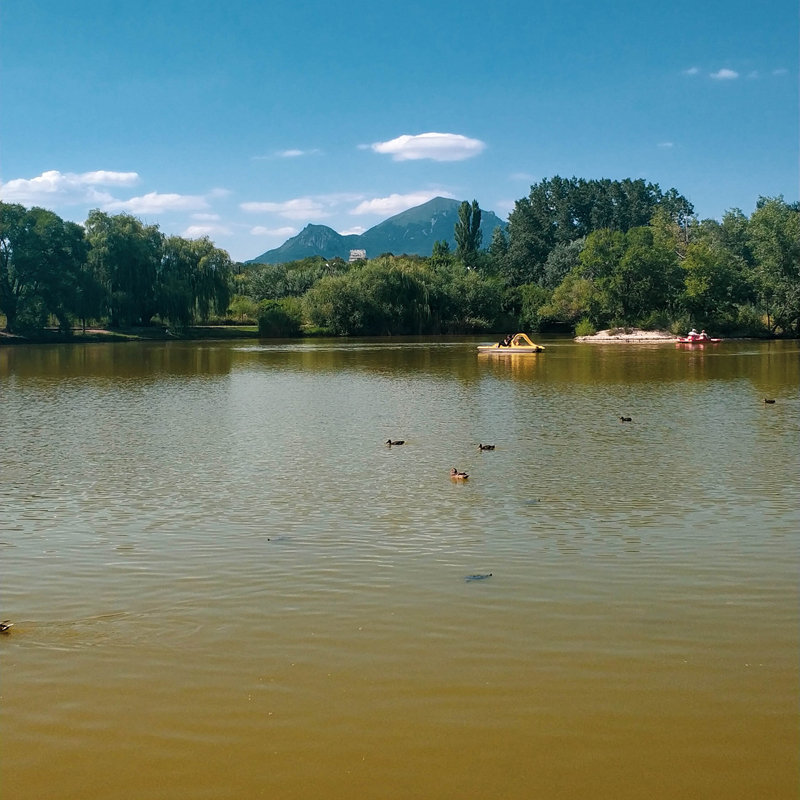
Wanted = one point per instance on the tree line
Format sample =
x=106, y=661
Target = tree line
x=577, y=255
x=113, y=270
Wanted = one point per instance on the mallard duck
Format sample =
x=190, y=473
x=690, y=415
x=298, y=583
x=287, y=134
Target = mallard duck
x=626, y=419
x=768, y=401
x=486, y=446
x=395, y=442
x=6, y=625
x=458, y=476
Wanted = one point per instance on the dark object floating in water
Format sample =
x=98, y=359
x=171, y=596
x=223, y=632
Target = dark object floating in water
x=626, y=419
x=6, y=625
x=768, y=401
x=478, y=577
x=486, y=446
x=531, y=502
x=458, y=476
x=395, y=442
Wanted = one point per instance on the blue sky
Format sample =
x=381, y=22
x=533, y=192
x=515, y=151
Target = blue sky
x=247, y=120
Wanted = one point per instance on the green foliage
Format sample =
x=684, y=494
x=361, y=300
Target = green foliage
x=533, y=300
x=774, y=231
x=41, y=258
x=559, y=211
x=467, y=232
x=243, y=307
x=193, y=280
x=585, y=328
x=280, y=318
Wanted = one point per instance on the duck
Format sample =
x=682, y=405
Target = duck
x=626, y=419
x=6, y=625
x=486, y=446
x=768, y=401
x=458, y=476
x=395, y=442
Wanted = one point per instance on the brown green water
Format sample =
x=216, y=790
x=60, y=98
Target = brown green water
x=226, y=586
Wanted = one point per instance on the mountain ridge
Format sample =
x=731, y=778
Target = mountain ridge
x=411, y=232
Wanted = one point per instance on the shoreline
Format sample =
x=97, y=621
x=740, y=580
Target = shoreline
x=92, y=335
x=627, y=336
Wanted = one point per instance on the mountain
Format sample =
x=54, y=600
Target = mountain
x=412, y=232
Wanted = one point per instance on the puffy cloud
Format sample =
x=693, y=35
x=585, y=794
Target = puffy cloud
x=198, y=231
x=356, y=230
x=691, y=71
x=206, y=217
x=260, y=230
x=521, y=176
x=395, y=203
x=155, y=203
x=724, y=75
x=66, y=188
x=781, y=71
x=299, y=208
x=435, y=146
x=664, y=144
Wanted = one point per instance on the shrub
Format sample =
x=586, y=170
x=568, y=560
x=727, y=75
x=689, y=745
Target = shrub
x=585, y=328
x=280, y=318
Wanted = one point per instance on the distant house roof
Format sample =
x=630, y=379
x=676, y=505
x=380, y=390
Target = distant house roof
x=357, y=255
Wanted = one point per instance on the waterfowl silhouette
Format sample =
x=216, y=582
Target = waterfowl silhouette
x=486, y=446
x=395, y=442
x=5, y=625
x=768, y=401
x=626, y=419
x=458, y=476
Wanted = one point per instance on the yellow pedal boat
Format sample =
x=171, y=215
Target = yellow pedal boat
x=520, y=344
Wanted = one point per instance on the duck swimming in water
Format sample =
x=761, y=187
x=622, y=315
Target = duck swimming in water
x=626, y=419
x=458, y=476
x=768, y=401
x=396, y=442
x=486, y=446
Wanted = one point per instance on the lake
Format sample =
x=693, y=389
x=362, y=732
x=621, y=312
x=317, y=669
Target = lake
x=226, y=585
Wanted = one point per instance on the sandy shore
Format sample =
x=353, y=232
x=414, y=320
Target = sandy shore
x=627, y=335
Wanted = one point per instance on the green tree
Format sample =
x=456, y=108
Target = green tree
x=467, y=232
x=774, y=230
x=41, y=258
x=125, y=255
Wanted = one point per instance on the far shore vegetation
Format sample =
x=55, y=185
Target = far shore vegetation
x=578, y=256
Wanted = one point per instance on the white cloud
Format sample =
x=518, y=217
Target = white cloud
x=691, y=71
x=505, y=205
x=724, y=75
x=521, y=176
x=197, y=231
x=103, y=177
x=260, y=230
x=206, y=217
x=297, y=153
x=436, y=146
x=66, y=188
x=752, y=74
x=395, y=203
x=782, y=71
x=299, y=208
x=356, y=230
x=665, y=144
x=155, y=203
